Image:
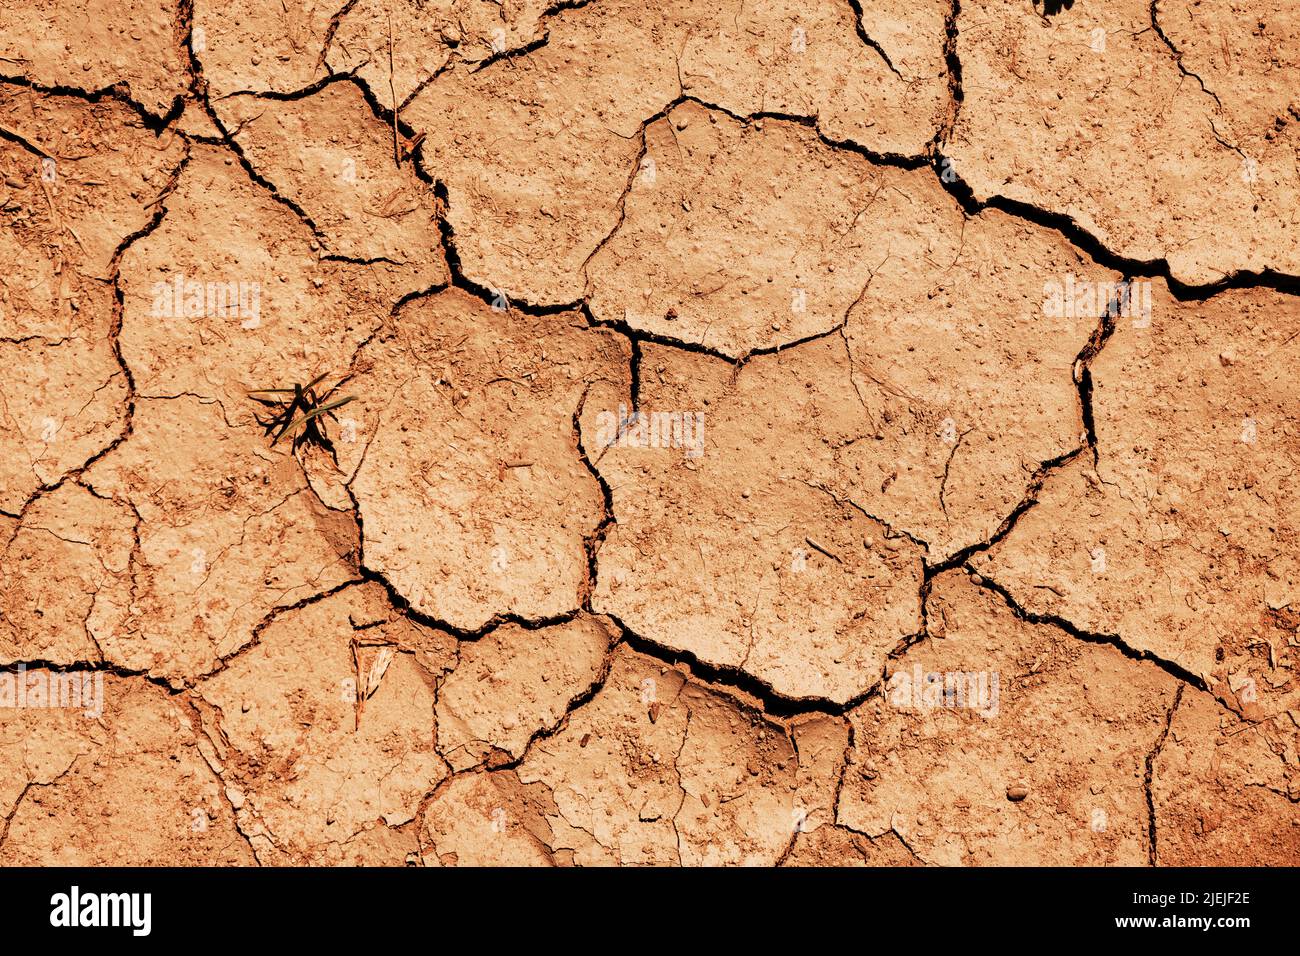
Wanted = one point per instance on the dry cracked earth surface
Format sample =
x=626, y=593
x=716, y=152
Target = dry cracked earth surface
x=833, y=433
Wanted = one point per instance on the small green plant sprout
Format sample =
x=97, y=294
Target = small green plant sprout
x=299, y=412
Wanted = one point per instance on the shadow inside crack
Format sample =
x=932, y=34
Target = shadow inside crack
x=1052, y=7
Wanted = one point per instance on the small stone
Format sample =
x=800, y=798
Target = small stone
x=1017, y=792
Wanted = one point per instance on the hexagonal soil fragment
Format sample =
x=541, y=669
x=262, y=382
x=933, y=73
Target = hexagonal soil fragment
x=427, y=36
x=877, y=79
x=1248, y=56
x=132, y=44
x=229, y=533
x=1000, y=741
x=1093, y=113
x=328, y=155
x=514, y=683
x=261, y=45
x=726, y=544
x=963, y=347
x=911, y=35
x=230, y=292
x=657, y=768
x=488, y=819
x=78, y=180
x=821, y=743
x=59, y=405
x=70, y=547
x=1182, y=540
x=1225, y=791
x=737, y=237
x=308, y=765
x=473, y=496
x=536, y=151
x=129, y=788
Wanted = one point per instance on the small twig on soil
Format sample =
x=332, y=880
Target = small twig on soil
x=817, y=547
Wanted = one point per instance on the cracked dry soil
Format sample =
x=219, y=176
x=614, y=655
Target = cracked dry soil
x=785, y=433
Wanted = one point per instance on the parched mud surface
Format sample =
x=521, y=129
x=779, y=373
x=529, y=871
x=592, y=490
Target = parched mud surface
x=847, y=433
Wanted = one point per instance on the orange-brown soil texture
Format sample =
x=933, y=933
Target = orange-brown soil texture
x=847, y=432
